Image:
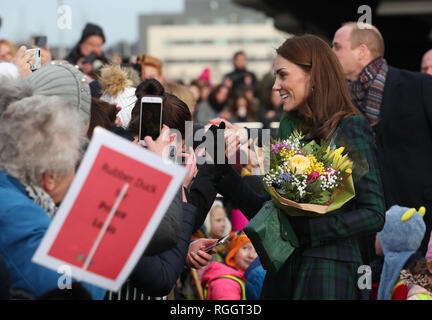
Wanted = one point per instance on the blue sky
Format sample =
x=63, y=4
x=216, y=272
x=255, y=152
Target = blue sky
x=119, y=18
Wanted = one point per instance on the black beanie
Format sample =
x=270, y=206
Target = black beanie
x=92, y=30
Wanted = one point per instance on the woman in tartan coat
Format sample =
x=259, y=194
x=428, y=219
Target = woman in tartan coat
x=316, y=100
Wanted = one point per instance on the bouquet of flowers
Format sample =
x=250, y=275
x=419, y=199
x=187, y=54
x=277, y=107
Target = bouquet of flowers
x=308, y=179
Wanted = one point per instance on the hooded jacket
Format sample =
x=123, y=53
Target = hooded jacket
x=222, y=288
x=400, y=238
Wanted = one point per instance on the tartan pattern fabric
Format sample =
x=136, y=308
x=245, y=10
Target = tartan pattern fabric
x=368, y=90
x=325, y=279
x=326, y=266
x=366, y=212
x=310, y=278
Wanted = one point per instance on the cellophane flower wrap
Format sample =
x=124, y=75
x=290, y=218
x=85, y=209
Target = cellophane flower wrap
x=307, y=178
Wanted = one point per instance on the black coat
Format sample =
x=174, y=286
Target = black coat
x=156, y=275
x=237, y=77
x=168, y=231
x=404, y=141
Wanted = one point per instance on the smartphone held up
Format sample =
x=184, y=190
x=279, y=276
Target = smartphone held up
x=36, y=58
x=150, y=118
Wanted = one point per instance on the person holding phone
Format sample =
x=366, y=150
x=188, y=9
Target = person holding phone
x=157, y=271
x=19, y=66
x=155, y=108
x=91, y=42
x=174, y=115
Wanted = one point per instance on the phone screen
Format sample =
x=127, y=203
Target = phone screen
x=150, y=122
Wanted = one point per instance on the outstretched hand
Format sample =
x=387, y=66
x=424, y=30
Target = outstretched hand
x=232, y=129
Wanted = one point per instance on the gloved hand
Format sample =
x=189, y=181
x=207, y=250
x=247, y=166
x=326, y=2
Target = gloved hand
x=203, y=192
x=214, y=148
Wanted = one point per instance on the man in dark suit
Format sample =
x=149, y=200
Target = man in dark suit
x=398, y=104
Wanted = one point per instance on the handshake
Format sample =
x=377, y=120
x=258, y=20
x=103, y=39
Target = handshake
x=221, y=143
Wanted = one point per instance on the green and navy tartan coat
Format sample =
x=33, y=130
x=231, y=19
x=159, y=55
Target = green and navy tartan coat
x=325, y=267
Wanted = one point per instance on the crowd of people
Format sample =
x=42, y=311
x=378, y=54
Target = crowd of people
x=345, y=92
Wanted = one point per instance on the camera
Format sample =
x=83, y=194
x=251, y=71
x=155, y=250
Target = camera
x=95, y=61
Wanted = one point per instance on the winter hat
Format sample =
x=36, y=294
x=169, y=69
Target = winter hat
x=92, y=30
x=205, y=76
x=117, y=88
x=429, y=250
x=207, y=221
x=113, y=79
x=65, y=81
x=401, y=236
x=238, y=220
x=236, y=242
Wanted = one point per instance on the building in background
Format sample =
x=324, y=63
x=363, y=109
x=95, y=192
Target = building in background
x=206, y=35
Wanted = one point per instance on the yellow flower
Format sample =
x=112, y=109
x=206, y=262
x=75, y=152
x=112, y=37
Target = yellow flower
x=315, y=165
x=299, y=163
x=349, y=171
x=338, y=152
x=288, y=154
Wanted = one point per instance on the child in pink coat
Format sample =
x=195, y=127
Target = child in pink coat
x=226, y=281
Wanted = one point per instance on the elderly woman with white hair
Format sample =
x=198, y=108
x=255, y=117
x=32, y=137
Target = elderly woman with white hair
x=40, y=145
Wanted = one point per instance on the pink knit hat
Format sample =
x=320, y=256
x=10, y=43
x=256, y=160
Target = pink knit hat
x=429, y=251
x=238, y=220
x=205, y=75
